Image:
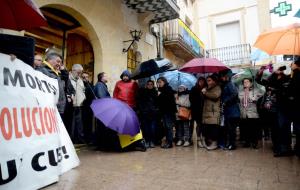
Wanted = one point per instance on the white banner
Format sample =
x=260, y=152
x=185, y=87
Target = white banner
x=35, y=147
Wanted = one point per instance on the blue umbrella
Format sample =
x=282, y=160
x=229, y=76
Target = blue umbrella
x=116, y=115
x=176, y=78
x=259, y=55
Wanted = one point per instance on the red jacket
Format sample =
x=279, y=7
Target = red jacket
x=126, y=92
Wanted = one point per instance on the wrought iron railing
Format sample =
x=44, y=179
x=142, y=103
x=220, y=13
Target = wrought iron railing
x=232, y=55
x=177, y=30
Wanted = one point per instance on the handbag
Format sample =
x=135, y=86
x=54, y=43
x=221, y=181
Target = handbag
x=184, y=113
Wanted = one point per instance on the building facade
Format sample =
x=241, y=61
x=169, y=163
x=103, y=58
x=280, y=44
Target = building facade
x=97, y=33
x=230, y=28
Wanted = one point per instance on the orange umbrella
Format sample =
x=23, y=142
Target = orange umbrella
x=280, y=41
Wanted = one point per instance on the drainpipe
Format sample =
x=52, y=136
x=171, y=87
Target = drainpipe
x=156, y=30
x=161, y=50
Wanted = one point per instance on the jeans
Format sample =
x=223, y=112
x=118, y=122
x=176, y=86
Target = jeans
x=183, y=130
x=168, y=123
x=149, y=128
x=284, y=131
x=230, y=130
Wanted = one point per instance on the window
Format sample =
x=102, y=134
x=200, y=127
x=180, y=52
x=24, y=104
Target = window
x=131, y=60
x=228, y=34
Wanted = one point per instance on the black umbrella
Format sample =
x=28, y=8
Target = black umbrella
x=152, y=67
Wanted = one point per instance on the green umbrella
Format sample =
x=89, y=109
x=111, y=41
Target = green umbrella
x=249, y=73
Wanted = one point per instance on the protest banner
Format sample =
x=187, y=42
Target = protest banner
x=35, y=147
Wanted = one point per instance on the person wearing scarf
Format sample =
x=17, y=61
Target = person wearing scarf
x=249, y=115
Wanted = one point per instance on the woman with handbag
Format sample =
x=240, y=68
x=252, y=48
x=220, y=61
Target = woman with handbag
x=183, y=116
x=211, y=112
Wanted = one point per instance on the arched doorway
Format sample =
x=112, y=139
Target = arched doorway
x=65, y=34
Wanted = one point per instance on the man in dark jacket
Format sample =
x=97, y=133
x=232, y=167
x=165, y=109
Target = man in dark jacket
x=87, y=113
x=106, y=139
x=277, y=85
x=52, y=67
x=100, y=88
x=231, y=110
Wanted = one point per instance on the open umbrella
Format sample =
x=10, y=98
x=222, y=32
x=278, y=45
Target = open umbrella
x=203, y=65
x=176, y=78
x=20, y=15
x=152, y=67
x=249, y=73
x=116, y=115
x=259, y=55
x=280, y=41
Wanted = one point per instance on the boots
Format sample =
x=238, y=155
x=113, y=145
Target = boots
x=201, y=142
x=212, y=146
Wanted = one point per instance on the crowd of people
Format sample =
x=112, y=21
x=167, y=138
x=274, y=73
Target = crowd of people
x=167, y=116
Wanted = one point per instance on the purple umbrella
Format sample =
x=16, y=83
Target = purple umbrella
x=116, y=115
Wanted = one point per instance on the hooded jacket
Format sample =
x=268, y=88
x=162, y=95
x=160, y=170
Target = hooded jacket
x=230, y=100
x=126, y=91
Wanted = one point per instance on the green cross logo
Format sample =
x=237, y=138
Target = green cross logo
x=282, y=9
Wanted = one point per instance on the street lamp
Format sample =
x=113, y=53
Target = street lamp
x=136, y=36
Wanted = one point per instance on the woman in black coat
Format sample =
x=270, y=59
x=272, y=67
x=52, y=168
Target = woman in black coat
x=167, y=109
x=196, y=99
x=147, y=109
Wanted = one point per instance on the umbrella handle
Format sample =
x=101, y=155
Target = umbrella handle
x=92, y=90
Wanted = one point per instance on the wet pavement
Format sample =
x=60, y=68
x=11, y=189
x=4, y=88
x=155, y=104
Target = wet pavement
x=187, y=168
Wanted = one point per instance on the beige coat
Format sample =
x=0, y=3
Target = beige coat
x=251, y=110
x=211, y=108
x=78, y=85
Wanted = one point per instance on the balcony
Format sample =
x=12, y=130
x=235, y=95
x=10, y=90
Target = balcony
x=179, y=39
x=155, y=11
x=237, y=55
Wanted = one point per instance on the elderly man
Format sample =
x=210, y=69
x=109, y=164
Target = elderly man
x=51, y=67
x=77, y=99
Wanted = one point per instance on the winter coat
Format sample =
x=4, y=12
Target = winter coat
x=79, y=87
x=276, y=88
x=166, y=100
x=196, y=98
x=89, y=94
x=101, y=91
x=126, y=92
x=147, y=102
x=182, y=100
x=211, y=107
x=249, y=110
x=230, y=100
x=48, y=70
x=294, y=93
